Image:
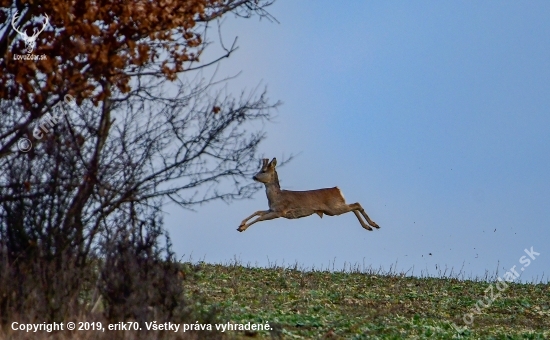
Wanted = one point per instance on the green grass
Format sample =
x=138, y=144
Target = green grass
x=365, y=304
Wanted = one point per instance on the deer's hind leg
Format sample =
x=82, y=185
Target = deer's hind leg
x=359, y=208
x=363, y=224
x=344, y=208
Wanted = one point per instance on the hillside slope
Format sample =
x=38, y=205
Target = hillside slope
x=366, y=305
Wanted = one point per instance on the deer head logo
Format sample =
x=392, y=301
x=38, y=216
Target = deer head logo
x=30, y=42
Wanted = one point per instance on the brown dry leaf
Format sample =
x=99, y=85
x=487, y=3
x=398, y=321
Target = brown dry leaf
x=78, y=62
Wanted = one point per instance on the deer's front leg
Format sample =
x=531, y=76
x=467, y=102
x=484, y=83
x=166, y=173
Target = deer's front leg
x=259, y=212
x=264, y=216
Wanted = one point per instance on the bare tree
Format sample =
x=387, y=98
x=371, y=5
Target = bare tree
x=149, y=128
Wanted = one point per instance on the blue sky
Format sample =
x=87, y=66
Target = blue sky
x=433, y=115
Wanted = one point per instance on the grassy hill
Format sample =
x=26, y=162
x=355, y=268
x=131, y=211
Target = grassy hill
x=367, y=305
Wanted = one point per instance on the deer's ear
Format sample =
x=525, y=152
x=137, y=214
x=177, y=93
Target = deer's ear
x=273, y=163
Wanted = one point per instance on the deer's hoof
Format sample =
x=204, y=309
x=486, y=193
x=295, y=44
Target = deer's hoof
x=375, y=225
x=240, y=228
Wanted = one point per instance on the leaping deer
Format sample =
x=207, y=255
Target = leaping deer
x=297, y=204
x=30, y=42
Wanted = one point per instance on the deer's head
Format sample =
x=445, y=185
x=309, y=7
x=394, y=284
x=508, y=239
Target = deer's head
x=30, y=41
x=267, y=173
